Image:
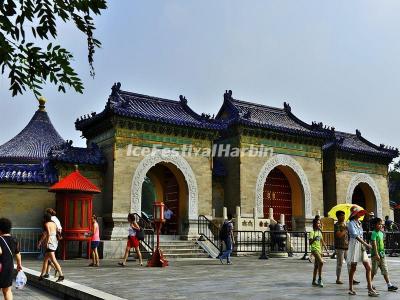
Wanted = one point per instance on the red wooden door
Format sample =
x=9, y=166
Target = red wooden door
x=278, y=195
x=171, y=200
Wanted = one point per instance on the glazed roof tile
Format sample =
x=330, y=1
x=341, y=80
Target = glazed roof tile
x=75, y=182
x=133, y=105
x=356, y=143
x=28, y=173
x=33, y=143
x=257, y=115
x=76, y=155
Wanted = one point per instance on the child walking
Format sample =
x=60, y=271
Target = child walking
x=133, y=241
x=316, y=240
x=378, y=255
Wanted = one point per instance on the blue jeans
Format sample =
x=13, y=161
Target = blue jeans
x=227, y=253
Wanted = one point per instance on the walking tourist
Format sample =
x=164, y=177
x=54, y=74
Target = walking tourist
x=51, y=244
x=378, y=254
x=316, y=240
x=133, y=241
x=226, y=236
x=341, y=245
x=95, y=241
x=56, y=221
x=168, y=213
x=8, y=248
x=357, y=250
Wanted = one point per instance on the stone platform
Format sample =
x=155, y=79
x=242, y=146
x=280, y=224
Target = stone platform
x=246, y=278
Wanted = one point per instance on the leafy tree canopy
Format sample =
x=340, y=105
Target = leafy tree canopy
x=27, y=64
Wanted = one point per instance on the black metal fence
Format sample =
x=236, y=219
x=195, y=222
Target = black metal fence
x=266, y=243
x=147, y=245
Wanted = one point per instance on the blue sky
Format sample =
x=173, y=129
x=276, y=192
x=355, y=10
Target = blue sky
x=334, y=61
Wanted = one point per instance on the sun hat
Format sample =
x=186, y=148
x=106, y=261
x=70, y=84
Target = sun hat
x=357, y=210
x=371, y=213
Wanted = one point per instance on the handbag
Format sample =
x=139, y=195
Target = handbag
x=140, y=234
x=1, y=265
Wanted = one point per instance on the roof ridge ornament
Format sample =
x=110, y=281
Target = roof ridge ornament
x=42, y=103
x=358, y=133
x=115, y=88
x=228, y=95
x=287, y=107
x=183, y=99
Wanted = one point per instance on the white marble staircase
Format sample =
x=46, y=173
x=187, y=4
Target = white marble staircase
x=175, y=248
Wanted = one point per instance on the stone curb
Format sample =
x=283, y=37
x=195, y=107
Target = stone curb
x=66, y=289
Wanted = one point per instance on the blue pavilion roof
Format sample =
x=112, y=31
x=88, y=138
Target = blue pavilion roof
x=76, y=155
x=133, y=105
x=260, y=116
x=28, y=173
x=34, y=142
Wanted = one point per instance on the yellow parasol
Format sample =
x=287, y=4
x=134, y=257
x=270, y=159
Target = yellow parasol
x=343, y=207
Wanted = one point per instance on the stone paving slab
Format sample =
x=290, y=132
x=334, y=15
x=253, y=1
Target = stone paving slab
x=32, y=293
x=248, y=278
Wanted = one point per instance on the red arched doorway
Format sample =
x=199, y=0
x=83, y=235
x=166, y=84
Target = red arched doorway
x=278, y=195
x=162, y=184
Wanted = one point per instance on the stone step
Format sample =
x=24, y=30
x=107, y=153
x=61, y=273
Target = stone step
x=191, y=251
x=162, y=245
x=185, y=255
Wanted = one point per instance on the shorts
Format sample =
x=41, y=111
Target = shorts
x=50, y=250
x=318, y=257
x=133, y=242
x=94, y=244
x=379, y=264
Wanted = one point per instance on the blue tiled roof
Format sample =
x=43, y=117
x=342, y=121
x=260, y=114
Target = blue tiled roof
x=151, y=108
x=76, y=155
x=33, y=143
x=28, y=173
x=256, y=115
x=356, y=143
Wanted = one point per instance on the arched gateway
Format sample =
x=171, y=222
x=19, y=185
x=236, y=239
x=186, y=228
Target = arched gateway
x=363, y=190
x=294, y=187
x=165, y=157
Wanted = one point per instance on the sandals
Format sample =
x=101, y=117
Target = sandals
x=372, y=293
x=339, y=282
x=60, y=278
x=352, y=293
x=91, y=265
x=122, y=264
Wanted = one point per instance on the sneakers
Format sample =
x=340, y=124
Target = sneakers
x=320, y=283
x=229, y=263
x=314, y=283
x=392, y=288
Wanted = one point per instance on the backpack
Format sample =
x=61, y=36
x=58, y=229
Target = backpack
x=140, y=234
x=223, y=232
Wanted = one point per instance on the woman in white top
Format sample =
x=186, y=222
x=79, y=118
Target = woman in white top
x=357, y=250
x=51, y=244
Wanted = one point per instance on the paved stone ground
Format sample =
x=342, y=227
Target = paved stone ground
x=247, y=278
x=32, y=293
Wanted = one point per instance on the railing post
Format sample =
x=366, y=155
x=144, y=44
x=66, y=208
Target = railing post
x=264, y=248
x=305, y=256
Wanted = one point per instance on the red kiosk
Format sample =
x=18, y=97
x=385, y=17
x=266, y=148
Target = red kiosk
x=74, y=196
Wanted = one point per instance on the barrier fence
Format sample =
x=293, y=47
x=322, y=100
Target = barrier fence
x=267, y=242
x=28, y=239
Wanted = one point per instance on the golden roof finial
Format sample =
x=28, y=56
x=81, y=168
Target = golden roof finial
x=42, y=103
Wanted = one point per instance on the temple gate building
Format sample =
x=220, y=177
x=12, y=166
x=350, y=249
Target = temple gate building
x=143, y=148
